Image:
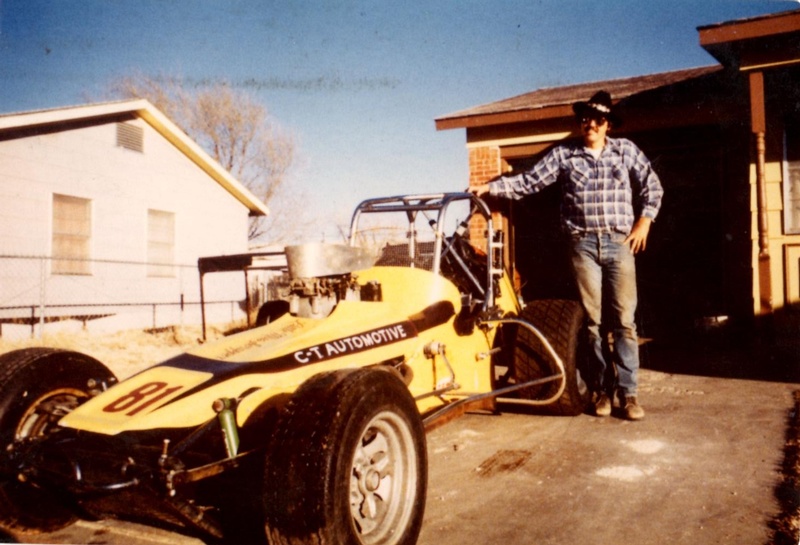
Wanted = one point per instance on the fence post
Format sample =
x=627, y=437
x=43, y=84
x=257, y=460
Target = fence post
x=42, y=294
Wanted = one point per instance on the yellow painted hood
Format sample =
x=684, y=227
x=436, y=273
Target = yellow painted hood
x=276, y=358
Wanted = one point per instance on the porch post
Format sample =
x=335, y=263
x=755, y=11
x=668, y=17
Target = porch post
x=759, y=128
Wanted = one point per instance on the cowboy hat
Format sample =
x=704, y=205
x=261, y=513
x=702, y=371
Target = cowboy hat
x=599, y=105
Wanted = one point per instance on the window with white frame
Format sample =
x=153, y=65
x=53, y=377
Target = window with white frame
x=72, y=235
x=160, y=243
x=791, y=179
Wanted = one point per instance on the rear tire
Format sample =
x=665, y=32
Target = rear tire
x=271, y=311
x=37, y=387
x=561, y=323
x=348, y=463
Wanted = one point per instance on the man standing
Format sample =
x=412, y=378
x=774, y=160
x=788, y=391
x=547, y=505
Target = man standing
x=609, y=197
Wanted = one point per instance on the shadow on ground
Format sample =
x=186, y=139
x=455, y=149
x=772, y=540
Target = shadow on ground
x=766, y=350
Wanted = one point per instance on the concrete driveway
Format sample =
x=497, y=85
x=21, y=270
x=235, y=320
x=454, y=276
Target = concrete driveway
x=703, y=467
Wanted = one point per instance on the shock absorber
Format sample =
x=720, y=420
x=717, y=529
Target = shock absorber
x=226, y=414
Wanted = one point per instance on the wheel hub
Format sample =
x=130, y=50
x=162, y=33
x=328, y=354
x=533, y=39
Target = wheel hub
x=372, y=481
x=380, y=479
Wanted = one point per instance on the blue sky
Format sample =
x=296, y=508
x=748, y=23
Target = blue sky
x=359, y=83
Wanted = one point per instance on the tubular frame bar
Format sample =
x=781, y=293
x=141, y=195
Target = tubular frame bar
x=478, y=397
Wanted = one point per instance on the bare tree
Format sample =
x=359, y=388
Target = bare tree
x=234, y=128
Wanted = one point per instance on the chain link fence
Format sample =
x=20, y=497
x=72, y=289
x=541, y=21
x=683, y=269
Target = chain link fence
x=112, y=295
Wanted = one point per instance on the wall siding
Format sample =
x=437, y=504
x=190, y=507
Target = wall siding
x=122, y=185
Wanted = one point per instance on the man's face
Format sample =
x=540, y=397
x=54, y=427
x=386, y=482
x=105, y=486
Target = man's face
x=594, y=129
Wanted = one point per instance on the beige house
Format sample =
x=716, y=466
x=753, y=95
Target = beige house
x=725, y=140
x=106, y=208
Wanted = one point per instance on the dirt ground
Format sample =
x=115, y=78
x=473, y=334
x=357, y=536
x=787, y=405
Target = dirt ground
x=715, y=460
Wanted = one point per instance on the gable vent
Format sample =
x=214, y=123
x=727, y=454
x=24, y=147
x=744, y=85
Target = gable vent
x=130, y=137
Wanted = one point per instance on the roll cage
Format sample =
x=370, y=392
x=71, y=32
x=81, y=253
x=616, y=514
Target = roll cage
x=447, y=252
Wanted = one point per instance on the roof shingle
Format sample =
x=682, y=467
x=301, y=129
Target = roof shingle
x=559, y=97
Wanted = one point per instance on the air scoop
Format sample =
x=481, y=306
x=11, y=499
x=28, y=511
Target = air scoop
x=318, y=259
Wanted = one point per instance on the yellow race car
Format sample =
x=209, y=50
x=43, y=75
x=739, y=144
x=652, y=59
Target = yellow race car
x=310, y=427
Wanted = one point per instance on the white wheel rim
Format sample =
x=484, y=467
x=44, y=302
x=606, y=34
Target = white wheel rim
x=383, y=482
x=47, y=410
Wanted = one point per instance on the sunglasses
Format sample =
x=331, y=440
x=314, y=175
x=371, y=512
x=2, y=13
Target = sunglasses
x=598, y=119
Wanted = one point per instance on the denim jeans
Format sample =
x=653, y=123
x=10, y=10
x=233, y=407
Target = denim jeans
x=605, y=270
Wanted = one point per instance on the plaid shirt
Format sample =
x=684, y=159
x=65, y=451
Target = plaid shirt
x=598, y=195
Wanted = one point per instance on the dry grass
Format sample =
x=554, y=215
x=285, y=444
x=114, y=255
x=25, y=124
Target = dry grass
x=124, y=352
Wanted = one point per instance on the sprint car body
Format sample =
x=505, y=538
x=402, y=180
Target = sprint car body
x=310, y=427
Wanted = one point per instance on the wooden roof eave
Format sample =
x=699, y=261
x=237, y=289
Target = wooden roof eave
x=756, y=27
x=754, y=44
x=504, y=118
x=193, y=151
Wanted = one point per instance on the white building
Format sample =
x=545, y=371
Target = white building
x=106, y=208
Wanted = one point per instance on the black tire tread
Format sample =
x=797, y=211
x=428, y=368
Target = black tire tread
x=301, y=435
x=22, y=371
x=561, y=323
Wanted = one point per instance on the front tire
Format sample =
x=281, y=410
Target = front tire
x=348, y=463
x=38, y=386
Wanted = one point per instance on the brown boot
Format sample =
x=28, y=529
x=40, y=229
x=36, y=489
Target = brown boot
x=633, y=411
x=602, y=404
